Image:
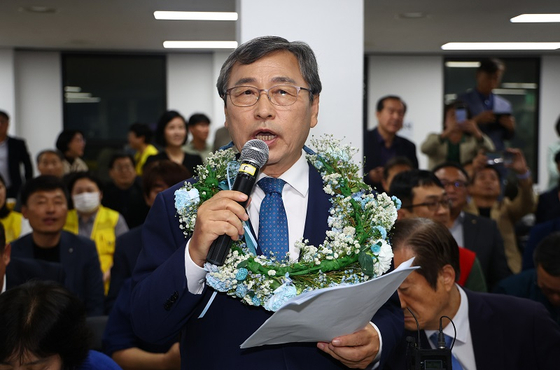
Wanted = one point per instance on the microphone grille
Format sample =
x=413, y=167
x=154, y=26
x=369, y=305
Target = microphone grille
x=255, y=151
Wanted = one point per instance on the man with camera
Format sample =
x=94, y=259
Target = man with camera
x=484, y=190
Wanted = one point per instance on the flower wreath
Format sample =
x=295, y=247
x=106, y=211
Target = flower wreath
x=355, y=248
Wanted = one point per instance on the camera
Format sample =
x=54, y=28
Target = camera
x=505, y=158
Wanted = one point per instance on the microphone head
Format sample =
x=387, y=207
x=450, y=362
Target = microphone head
x=256, y=152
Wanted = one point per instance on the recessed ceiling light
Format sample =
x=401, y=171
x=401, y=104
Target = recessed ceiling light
x=195, y=16
x=519, y=85
x=458, y=64
x=536, y=18
x=200, y=44
x=501, y=46
x=38, y=9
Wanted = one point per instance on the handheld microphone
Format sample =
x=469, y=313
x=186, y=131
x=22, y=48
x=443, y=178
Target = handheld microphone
x=254, y=155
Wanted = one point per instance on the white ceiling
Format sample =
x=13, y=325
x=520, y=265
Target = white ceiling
x=130, y=25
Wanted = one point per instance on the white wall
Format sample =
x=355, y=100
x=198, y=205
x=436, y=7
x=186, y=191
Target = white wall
x=334, y=30
x=38, y=94
x=7, y=86
x=549, y=111
x=418, y=80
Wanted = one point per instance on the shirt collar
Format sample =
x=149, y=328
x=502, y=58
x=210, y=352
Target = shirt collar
x=296, y=176
x=3, y=285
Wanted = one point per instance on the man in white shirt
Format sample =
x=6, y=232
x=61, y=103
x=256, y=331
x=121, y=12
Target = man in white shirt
x=170, y=296
x=492, y=331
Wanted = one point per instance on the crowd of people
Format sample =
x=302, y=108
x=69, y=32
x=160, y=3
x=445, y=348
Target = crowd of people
x=116, y=249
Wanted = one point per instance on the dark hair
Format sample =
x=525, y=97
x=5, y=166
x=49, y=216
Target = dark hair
x=162, y=123
x=74, y=177
x=49, y=151
x=120, y=155
x=381, y=102
x=42, y=183
x=453, y=165
x=142, y=130
x=547, y=254
x=404, y=183
x=4, y=115
x=432, y=244
x=491, y=65
x=165, y=170
x=198, y=118
x=4, y=210
x=44, y=319
x=396, y=161
x=64, y=139
x=260, y=47
x=493, y=168
x=2, y=238
x=558, y=126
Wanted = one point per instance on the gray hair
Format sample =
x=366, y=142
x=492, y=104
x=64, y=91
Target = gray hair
x=259, y=47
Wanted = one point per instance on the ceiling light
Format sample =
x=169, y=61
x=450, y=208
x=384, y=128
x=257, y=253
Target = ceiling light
x=501, y=46
x=536, y=18
x=412, y=15
x=72, y=89
x=457, y=64
x=200, y=44
x=195, y=16
x=38, y=9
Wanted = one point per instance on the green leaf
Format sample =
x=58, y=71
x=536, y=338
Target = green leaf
x=366, y=263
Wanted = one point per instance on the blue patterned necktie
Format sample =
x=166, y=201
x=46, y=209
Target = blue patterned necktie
x=273, y=224
x=455, y=364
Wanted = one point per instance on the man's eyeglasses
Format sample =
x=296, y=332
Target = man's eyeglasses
x=246, y=96
x=432, y=205
x=456, y=184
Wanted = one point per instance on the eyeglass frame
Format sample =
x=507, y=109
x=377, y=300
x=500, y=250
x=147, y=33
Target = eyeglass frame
x=298, y=89
x=442, y=202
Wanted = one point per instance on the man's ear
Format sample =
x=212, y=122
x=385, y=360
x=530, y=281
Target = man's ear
x=404, y=213
x=24, y=211
x=6, y=255
x=447, y=274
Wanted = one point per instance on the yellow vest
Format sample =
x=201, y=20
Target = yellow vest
x=12, y=225
x=140, y=158
x=103, y=234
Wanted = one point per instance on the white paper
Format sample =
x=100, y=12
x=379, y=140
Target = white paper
x=324, y=314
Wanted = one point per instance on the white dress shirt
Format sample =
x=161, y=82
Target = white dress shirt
x=463, y=348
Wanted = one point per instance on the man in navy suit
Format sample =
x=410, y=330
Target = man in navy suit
x=492, y=331
x=13, y=154
x=170, y=294
x=382, y=143
x=44, y=204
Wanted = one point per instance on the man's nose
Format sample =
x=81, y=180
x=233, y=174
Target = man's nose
x=264, y=107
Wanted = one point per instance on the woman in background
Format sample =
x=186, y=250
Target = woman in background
x=171, y=134
x=71, y=144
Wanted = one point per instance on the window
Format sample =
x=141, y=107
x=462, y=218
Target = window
x=105, y=94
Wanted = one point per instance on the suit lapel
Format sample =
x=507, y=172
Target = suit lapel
x=485, y=334
x=469, y=232
x=318, y=206
x=68, y=256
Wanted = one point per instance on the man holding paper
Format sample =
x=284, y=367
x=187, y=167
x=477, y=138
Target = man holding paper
x=271, y=92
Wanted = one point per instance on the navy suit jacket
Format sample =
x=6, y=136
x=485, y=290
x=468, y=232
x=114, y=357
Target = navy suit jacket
x=481, y=235
x=372, y=153
x=507, y=333
x=162, y=307
x=80, y=261
x=127, y=249
x=21, y=270
x=17, y=155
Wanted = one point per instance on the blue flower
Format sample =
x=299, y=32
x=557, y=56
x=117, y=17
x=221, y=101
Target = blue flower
x=376, y=248
x=241, y=291
x=382, y=231
x=397, y=201
x=241, y=274
x=217, y=284
x=185, y=198
x=281, y=295
x=256, y=301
